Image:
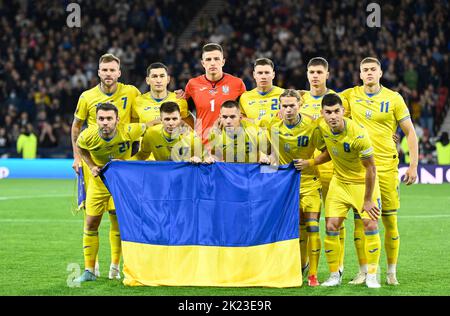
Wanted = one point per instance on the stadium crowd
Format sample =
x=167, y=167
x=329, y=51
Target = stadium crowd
x=45, y=65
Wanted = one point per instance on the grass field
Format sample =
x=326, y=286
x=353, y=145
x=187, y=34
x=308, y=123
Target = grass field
x=40, y=237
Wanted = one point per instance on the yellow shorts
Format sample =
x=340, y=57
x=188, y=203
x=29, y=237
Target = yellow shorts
x=341, y=197
x=325, y=179
x=389, y=187
x=98, y=198
x=87, y=178
x=310, y=202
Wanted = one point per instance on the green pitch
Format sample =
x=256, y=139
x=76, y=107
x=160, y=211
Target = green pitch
x=40, y=239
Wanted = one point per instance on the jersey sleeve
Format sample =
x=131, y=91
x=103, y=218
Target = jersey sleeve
x=401, y=111
x=188, y=93
x=134, y=110
x=182, y=103
x=363, y=145
x=136, y=130
x=242, y=103
x=81, y=112
x=317, y=139
x=146, y=141
x=82, y=139
x=345, y=97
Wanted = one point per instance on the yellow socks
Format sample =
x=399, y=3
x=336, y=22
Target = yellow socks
x=332, y=250
x=90, y=249
x=359, y=239
x=342, y=234
x=373, y=250
x=303, y=245
x=114, y=239
x=391, y=236
x=314, y=245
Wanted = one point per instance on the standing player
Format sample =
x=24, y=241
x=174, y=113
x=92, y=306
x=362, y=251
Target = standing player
x=210, y=90
x=98, y=144
x=353, y=185
x=317, y=73
x=123, y=97
x=265, y=97
x=148, y=104
x=292, y=138
x=380, y=110
x=237, y=140
x=167, y=142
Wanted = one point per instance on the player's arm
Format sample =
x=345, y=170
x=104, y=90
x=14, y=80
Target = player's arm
x=369, y=206
x=301, y=164
x=86, y=156
x=411, y=137
x=75, y=132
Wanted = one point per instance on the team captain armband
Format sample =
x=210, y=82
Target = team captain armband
x=366, y=153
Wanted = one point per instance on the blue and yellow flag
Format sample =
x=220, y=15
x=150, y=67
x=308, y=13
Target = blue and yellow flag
x=207, y=225
x=81, y=190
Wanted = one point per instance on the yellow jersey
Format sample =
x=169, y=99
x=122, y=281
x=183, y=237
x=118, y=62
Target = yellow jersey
x=147, y=107
x=347, y=149
x=123, y=98
x=255, y=104
x=119, y=147
x=242, y=145
x=166, y=147
x=297, y=142
x=380, y=114
x=312, y=106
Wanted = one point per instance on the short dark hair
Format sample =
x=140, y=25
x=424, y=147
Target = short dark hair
x=331, y=99
x=229, y=104
x=210, y=47
x=156, y=66
x=318, y=61
x=263, y=62
x=169, y=107
x=107, y=107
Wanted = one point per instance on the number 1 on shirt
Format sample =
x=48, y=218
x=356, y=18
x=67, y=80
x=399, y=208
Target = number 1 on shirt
x=212, y=105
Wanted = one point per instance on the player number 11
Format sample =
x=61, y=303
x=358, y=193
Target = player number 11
x=212, y=105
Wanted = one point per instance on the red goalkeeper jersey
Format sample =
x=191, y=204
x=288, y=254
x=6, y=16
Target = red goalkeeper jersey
x=208, y=97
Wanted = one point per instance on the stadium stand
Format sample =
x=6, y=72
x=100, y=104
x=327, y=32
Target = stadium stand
x=45, y=65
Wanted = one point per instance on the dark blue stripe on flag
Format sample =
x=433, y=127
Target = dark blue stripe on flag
x=81, y=191
x=168, y=203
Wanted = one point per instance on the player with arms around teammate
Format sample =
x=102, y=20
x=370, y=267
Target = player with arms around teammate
x=264, y=99
x=318, y=73
x=294, y=138
x=169, y=140
x=98, y=144
x=210, y=90
x=123, y=97
x=380, y=110
x=148, y=104
x=354, y=185
x=236, y=140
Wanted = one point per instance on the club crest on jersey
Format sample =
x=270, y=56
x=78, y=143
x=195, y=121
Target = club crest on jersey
x=226, y=89
x=287, y=148
x=334, y=151
x=212, y=91
x=368, y=114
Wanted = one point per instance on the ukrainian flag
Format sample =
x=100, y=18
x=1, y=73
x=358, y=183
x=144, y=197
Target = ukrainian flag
x=207, y=225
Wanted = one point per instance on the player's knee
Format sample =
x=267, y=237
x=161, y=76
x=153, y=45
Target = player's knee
x=332, y=226
x=93, y=222
x=370, y=225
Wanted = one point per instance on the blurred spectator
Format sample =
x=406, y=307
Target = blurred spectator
x=426, y=150
x=4, y=141
x=27, y=143
x=443, y=150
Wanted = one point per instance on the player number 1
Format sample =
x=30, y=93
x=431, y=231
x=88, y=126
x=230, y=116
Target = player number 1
x=212, y=105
